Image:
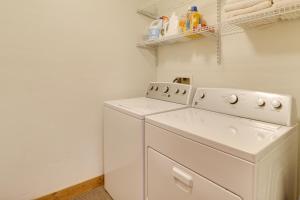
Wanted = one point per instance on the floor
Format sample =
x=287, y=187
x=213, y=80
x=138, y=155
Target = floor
x=96, y=194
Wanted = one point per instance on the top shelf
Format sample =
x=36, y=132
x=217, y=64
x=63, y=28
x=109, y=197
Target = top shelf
x=155, y=8
x=147, y=13
x=267, y=16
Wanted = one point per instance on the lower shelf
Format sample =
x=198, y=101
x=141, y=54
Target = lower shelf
x=208, y=31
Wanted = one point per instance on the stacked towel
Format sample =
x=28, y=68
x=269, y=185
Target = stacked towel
x=234, y=8
x=282, y=3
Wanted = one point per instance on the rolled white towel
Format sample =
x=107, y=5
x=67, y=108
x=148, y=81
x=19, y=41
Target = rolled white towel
x=285, y=1
x=254, y=13
x=234, y=1
x=258, y=7
x=242, y=5
x=282, y=3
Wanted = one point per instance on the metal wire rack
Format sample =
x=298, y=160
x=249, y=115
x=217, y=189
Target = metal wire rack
x=153, y=8
x=266, y=17
x=222, y=27
x=208, y=31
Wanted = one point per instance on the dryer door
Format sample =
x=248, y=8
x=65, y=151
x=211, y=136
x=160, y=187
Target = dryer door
x=169, y=180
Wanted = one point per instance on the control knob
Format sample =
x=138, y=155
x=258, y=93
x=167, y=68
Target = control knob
x=261, y=102
x=276, y=104
x=233, y=99
x=166, y=90
x=201, y=95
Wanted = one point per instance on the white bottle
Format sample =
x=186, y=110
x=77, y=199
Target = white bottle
x=155, y=29
x=173, y=25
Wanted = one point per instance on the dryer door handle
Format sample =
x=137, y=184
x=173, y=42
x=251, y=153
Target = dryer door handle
x=182, y=177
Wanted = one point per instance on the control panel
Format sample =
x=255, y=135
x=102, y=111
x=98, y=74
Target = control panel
x=267, y=107
x=172, y=92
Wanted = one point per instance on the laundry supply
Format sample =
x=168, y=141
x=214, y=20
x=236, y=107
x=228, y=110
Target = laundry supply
x=194, y=21
x=165, y=25
x=172, y=28
x=188, y=19
x=195, y=18
x=182, y=23
x=155, y=29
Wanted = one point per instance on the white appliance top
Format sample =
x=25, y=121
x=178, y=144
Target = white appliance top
x=160, y=97
x=141, y=107
x=261, y=106
x=248, y=139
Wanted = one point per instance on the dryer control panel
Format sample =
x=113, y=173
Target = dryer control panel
x=267, y=107
x=172, y=92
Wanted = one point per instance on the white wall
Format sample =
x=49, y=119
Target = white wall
x=59, y=60
x=265, y=60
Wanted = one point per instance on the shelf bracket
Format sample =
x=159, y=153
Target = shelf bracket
x=147, y=14
x=219, y=36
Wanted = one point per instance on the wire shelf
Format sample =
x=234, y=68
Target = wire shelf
x=267, y=16
x=208, y=31
x=155, y=8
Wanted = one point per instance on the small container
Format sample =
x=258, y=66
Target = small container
x=195, y=17
x=165, y=25
x=182, y=22
x=188, y=20
x=173, y=25
x=155, y=29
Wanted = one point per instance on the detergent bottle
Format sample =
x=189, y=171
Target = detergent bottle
x=195, y=18
x=182, y=23
x=173, y=25
x=165, y=25
x=155, y=29
x=188, y=20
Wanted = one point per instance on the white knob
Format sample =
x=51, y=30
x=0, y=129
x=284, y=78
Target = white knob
x=233, y=99
x=201, y=95
x=166, y=90
x=261, y=102
x=276, y=104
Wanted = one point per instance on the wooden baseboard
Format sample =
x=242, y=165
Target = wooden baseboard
x=73, y=191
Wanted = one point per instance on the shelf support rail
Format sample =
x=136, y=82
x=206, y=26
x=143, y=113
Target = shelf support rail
x=219, y=32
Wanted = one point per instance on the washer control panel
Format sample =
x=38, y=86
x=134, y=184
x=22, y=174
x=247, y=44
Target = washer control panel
x=172, y=92
x=267, y=107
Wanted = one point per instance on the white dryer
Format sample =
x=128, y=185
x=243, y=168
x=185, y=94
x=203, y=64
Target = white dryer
x=124, y=136
x=232, y=145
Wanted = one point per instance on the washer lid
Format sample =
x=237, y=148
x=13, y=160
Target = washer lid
x=243, y=138
x=141, y=107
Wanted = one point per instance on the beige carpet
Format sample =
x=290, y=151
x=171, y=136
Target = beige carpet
x=97, y=194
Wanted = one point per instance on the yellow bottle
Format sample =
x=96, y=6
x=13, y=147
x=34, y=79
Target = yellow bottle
x=195, y=22
x=182, y=23
x=195, y=19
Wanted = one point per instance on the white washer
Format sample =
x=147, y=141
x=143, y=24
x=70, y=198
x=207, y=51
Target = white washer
x=124, y=136
x=232, y=145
